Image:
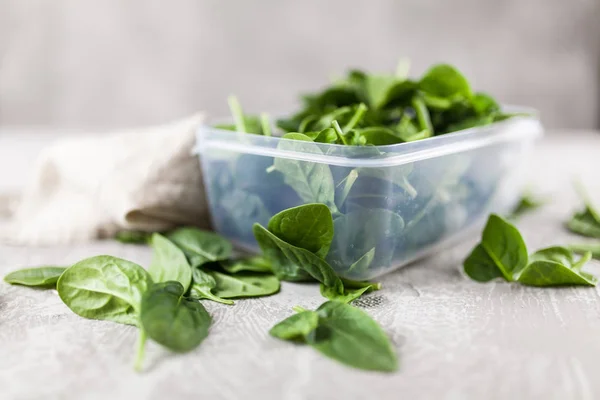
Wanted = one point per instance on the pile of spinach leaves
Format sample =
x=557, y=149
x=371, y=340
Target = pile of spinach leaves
x=364, y=109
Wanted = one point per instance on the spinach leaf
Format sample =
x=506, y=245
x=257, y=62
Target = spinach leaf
x=526, y=204
x=172, y=320
x=244, y=284
x=203, y=285
x=422, y=116
x=502, y=248
x=352, y=290
x=444, y=80
x=244, y=123
x=40, y=276
x=304, y=259
x=350, y=336
x=296, y=327
x=133, y=237
x=201, y=246
x=312, y=181
x=582, y=248
x=169, y=262
x=309, y=226
x=250, y=264
x=104, y=287
x=363, y=263
x=379, y=136
x=587, y=221
x=556, y=266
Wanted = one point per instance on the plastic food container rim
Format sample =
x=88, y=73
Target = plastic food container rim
x=518, y=128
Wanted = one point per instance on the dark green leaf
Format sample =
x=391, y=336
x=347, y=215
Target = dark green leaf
x=501, y=245
x=352, y=290
x=40, y=276
x=302, y=258
x=168, y=262
x=350, y=336
x=444, y=80
x=379, y=136
x=309, y=226
x=201, y=246
x=104, y=287
x=171, y=320
x=296, y=327
x=133, y=237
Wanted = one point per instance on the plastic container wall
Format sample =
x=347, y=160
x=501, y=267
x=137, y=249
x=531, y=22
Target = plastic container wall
x=391, y=204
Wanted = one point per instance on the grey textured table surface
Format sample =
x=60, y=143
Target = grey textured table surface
x=457, y=339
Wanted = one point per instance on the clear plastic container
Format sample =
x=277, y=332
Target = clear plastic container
x=391, y=204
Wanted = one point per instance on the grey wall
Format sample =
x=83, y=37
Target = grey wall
x=107, y=63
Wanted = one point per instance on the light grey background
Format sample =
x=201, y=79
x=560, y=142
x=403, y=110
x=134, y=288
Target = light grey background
x=84, y=63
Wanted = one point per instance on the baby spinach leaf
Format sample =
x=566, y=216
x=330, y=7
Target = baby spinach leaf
x=296, y=327
x=104, y=287
x=282, y=267
x=201, y=246
x=484, y=104
x=379, y=136
x=422, y=115
x=169, y=262
x=312, y=181
x=363, y=263
x=501, y=246
x=133, y=237
x=444, y=80
x=350, y=336
x=203, y=285
x=172, y=320
x=309, y=226
x=249, y=264
x=299, y=257
x=352, y=290
x=556, y=266
x=244, y=284
x=582, y=248
x=587, y=221
x=527, y=203
x=39, y=276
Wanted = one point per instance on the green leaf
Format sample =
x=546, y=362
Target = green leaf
x=201, y=246
x=203, y=285
x=169, y=262
x=444, y=80
x=249, y=264
x=379, y=136
x=312, y=181
x=350, y=336
x=363, y=263
x=552, y=273
x=105, y=288
x=501, y=245
x=244, y=284
x=309, y=226
x=587, y=221
x=527, y=203
x=296, y=327
x=171, y=320
x=422, y=115
x=40, y=276
x=484, y=104
x=133, y=237
x=352, y=290
x=327, y=135
x=315, y=266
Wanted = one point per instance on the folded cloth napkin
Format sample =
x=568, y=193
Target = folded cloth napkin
x=93, y=186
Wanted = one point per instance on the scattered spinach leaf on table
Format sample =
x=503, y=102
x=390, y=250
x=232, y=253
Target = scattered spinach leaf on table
x=587, y=221
x=203, y=286
x=352, y=290
x=556, y=266
x=38, y=277
x=244, y=284
x=527, y=203
x=248, y=264
x=170, y=319
x=343, y=333
x=105, y=288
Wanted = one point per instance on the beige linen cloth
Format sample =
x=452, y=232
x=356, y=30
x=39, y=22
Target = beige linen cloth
x=90, y=187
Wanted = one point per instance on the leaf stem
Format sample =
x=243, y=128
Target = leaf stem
x=358, y=115
x=336, y=127
x=141, y=351
x=238, y=114
x=299, y=309
x=265, y=124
